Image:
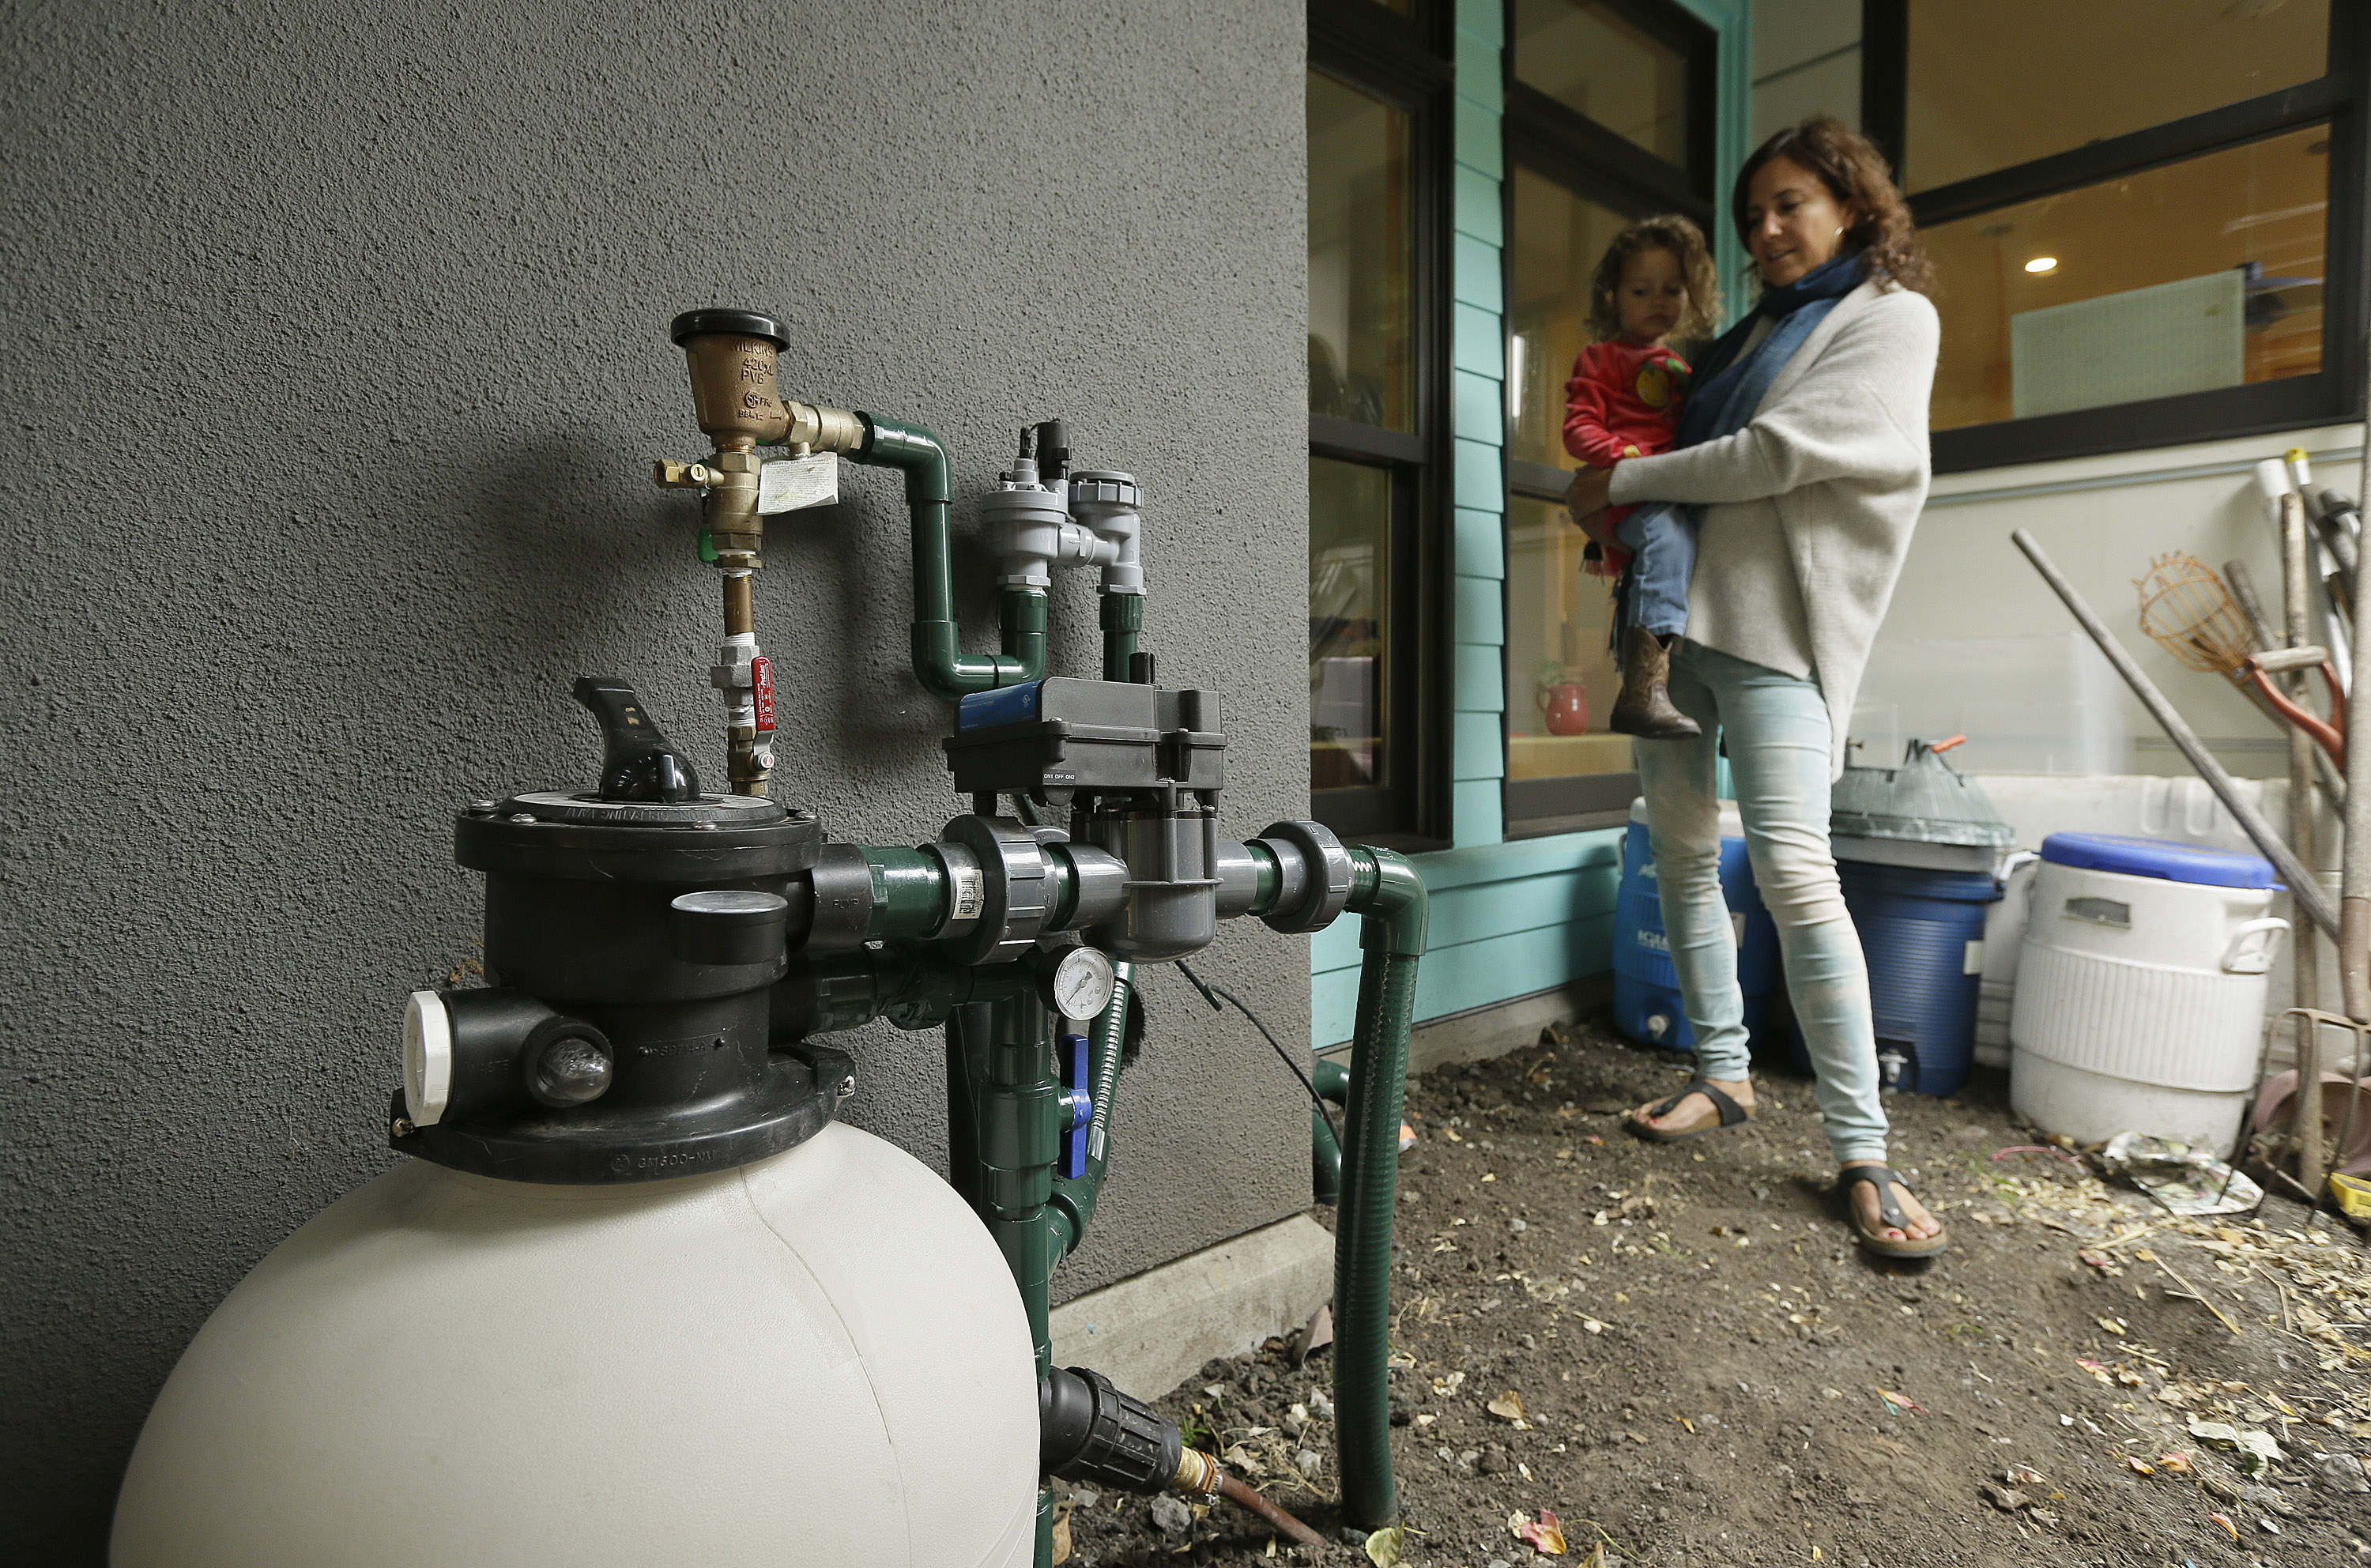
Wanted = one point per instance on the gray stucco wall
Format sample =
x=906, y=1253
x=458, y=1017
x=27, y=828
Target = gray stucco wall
x=335, y=364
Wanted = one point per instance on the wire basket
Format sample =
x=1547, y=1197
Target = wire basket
x=2185, y=607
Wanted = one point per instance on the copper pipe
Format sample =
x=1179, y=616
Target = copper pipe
x=740, y=603
x=1244, y=1497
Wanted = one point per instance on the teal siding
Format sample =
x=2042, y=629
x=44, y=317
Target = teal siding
x=1507, y=919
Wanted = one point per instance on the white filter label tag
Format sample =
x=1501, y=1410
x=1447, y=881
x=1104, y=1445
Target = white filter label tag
x=1972, y=962
x=792, y=484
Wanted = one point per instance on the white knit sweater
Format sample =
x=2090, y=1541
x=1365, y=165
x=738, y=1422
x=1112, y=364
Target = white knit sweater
x=1809, y=508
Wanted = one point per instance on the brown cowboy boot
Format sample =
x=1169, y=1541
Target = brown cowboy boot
x=1645, y=708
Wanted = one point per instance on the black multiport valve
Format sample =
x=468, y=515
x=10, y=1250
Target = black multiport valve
x=632, y=935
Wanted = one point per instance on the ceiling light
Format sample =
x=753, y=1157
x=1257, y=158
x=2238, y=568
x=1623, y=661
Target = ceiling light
x=2042, y=265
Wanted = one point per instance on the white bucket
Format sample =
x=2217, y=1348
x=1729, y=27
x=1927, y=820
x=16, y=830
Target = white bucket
x=2139, y=1006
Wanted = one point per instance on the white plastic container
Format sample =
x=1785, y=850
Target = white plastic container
x=2140, y=991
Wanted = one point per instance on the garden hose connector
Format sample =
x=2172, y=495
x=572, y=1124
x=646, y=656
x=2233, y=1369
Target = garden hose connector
x=1198, y=1474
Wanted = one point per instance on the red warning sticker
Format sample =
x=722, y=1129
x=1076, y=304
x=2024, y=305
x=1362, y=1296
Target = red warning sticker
x=761, y=687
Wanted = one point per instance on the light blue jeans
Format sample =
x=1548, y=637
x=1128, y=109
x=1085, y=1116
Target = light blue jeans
x=1777, y=733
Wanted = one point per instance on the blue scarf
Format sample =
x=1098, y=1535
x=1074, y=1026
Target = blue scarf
x=1729, y=384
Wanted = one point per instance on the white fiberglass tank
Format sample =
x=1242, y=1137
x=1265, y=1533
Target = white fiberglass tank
x=817, y=1358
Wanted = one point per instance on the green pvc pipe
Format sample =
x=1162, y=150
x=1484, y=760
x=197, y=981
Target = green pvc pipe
x=1123, y=618
x=910, y=893
x=1325, y=1159
x=1387, y=890
x=938, y=663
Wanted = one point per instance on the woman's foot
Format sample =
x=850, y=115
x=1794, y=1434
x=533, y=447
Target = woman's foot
x=1694, y=1112
x=1864, y=1199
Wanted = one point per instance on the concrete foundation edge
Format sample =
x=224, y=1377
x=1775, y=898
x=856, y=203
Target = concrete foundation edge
x=1151, y=1331
x=1483, y=1032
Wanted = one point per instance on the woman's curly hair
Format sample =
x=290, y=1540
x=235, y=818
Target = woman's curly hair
x=1686, y=243
x=1855, y=174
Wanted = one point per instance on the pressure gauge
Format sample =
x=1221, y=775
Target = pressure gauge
x=1083, y=982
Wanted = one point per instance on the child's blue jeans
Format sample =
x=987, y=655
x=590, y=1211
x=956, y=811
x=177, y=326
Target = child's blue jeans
x=1662, y=540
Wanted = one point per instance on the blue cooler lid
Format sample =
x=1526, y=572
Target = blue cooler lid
x=2158, y=857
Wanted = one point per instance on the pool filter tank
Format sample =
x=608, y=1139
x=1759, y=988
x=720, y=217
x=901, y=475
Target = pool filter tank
x=640, y=1299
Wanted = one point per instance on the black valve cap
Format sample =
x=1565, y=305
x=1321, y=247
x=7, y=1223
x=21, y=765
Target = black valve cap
x=730, y=926
x=736, y=323
x=638, y=762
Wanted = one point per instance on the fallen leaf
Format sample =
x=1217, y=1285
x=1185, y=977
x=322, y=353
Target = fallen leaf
x=1600, y=1143
x=2174, y=1464
x=1062, y=1533
x=2229, y=1528
x=1384, y=1547
x=2113, y=1325
x=1545, y=1537
x=2093, y=1367
x=2140, y=1466
x=1684, y=1421
x=2022, y=1475
x=2008, y=1500
x=1592, y=1325
x=1596, y=1558
x=1900, y=1402
x=1508, y=1406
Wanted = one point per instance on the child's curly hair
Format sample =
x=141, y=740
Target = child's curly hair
x=1666, y=231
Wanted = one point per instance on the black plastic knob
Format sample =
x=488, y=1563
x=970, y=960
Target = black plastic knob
x=638, y=762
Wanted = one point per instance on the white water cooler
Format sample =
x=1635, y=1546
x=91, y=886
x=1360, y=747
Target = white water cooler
x=2140, y=991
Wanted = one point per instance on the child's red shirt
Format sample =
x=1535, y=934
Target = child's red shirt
x=1623, y=401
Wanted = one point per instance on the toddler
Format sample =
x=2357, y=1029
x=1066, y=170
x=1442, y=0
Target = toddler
x=1624, y=401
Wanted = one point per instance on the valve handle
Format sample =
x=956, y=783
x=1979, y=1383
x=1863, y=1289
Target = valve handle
x=638, y=762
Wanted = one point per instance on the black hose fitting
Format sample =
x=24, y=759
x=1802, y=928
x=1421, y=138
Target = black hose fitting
x=1088, y=1429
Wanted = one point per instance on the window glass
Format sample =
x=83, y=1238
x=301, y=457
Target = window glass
x=1360, y=241
x=1560, y=676
x=1349, y=631
x=1587, y=56
x=1806, y=61
x=2003, y=83
x=2200, y=274
x=1558, y=237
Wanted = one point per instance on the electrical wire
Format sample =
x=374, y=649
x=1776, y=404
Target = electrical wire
x=1211, y=994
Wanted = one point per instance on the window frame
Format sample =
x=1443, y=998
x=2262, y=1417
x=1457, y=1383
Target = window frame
x=2331, y=396
x=1565, y=147
x=1406, y=61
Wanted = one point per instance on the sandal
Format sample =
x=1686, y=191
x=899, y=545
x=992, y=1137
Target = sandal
x=1731, y=1114
x=1889, y=1212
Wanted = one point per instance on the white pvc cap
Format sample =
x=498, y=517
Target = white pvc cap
x=2272, y=478
x=427, y=1058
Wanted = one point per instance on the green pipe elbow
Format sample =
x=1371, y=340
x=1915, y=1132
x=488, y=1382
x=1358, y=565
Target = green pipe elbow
x=939, y=665
x=1382, y=884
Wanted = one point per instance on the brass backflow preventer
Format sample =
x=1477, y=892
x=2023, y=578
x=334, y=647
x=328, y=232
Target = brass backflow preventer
x=732, y=356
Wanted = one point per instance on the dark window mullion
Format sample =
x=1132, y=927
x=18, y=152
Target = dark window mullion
x=2177, y=141
x=1596, y=153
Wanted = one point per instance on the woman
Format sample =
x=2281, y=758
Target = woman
x=1804, y=449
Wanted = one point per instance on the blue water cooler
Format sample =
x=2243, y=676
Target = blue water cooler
x=1646, y=1006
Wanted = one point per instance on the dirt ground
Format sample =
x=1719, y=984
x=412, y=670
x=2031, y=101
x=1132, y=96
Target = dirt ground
x=1708, y=1372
